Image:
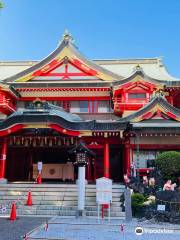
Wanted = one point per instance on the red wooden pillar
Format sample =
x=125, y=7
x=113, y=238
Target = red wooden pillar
x=106, y=160
x=3, y=154
x=127, y=159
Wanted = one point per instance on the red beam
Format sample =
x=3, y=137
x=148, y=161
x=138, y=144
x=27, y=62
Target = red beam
x=62, y=89
x=11, y=129
x=156, y=146
x=66, y=98
x=64, y=131
x=71, y=74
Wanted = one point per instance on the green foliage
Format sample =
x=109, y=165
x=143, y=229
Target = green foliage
x=138, y=200
x=169, y=164
x=1, y=4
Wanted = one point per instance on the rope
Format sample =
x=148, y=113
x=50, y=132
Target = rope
x=167, y=201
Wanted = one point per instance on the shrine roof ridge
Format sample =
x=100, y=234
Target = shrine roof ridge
x=156, y=100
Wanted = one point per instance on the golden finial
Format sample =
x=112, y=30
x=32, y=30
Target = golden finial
x=138, y=67
x=67, y=36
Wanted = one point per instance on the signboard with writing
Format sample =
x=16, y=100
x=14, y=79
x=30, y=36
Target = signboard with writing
x=161, y=207
x=39, y=166
x=103, y=190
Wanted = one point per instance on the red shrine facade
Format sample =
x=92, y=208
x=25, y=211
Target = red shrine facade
x=125, y=111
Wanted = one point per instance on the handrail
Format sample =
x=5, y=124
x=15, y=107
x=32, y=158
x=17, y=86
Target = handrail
x=61, y=207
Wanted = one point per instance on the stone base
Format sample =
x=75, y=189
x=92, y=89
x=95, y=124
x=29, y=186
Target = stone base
x=3, y=181
x=86, y=181
x=80, y=213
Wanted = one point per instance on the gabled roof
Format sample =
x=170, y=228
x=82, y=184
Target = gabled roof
x=153, y=67
x=139, y=72
x=65, y=51
x=156, y=106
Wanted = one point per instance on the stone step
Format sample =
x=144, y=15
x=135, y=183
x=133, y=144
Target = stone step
x=53, y=197
x=57, y=189
x=40, y=189
x=43, y=212
x=60, y=208
x=56, y=205
x=115, y=185
x=40, y=198
x=29, y=212
x=56, y=199
x=50, y=192
x=37, y=193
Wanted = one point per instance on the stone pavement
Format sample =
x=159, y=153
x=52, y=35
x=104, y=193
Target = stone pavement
x=84, y=228
x=14, y=230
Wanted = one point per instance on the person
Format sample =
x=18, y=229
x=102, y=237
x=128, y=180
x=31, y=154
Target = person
x=173, y=186
x=167, y=185
x=152, y=182
x=133, y=169
x=145, y=180
x=126, y=179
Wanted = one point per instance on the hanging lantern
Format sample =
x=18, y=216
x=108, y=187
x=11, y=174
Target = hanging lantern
x=18, y=141
x=81, y=159
x=30, y=141
x=41, y=142
x=26, y=142
x=81, y=154
x=49, y=142
x=59, y=141
x=67, y=142
x=34, y=142
x=54, y=140
x=38, y=141
x=22, y=141
x=10, y=141
x=45, y=141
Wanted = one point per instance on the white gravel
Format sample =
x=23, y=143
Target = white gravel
x=84, y=229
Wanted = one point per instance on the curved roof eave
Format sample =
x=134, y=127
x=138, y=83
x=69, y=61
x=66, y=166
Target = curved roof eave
x=141, y=73
x=147, y=78
x=47, y=118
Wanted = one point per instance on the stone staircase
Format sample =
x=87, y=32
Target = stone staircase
x=55, y=199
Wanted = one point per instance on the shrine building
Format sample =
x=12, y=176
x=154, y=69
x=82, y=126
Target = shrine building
x=125, y=111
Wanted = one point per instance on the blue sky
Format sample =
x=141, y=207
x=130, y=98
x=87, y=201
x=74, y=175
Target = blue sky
x=31, y=29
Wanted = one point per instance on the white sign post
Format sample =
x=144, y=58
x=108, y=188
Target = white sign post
x=39, y=165
x=104, y=193
x=81, y=190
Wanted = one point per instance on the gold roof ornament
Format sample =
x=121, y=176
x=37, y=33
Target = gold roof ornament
x=67, y=36
x=160, y=92
x=138, y=67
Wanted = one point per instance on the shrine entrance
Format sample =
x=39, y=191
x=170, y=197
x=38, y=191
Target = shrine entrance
x=24, y=152
x=22, y=164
